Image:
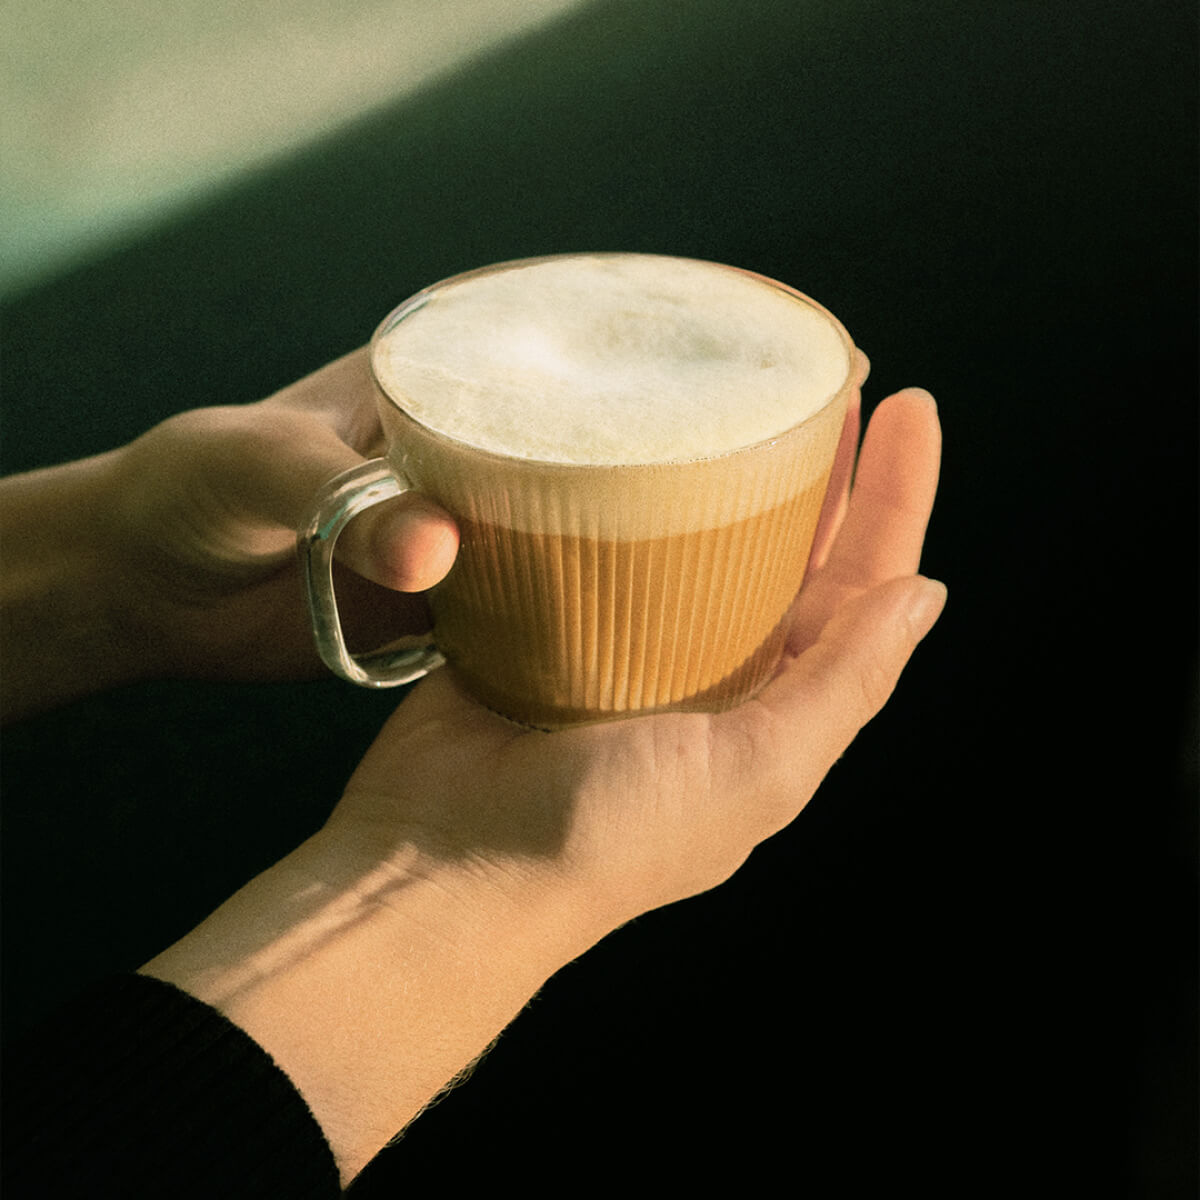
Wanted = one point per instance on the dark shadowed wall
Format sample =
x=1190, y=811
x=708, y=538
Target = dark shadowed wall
x=971, y=961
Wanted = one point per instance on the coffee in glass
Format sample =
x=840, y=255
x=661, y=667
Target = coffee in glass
x=636, y=450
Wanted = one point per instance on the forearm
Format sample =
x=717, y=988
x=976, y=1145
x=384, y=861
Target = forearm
x=374, y=989
x=61, y=633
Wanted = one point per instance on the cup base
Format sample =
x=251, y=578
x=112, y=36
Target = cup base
x=736, y=688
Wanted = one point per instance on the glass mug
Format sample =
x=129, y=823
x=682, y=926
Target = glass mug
x=634, y=564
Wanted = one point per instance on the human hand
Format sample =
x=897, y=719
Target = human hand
x=631, y=815
x=470, y=859
x=208, y=506
x=176, y=554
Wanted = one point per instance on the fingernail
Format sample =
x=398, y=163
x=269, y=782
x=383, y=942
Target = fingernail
x=926, y=606
x=922, y=394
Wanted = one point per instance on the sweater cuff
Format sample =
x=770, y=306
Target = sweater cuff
x=139, y=1089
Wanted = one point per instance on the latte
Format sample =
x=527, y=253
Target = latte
x=636, y=449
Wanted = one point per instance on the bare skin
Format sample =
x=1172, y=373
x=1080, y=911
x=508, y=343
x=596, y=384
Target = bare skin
x=468, y=860
x=175, y=555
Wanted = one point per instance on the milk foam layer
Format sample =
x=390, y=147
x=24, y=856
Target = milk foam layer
x=623, y=359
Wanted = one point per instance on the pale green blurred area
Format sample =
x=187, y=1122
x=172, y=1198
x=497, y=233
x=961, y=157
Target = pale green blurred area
x=115, y=113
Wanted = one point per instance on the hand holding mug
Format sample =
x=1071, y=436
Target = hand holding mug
x=470, y=859
x=638, y=813
x=174, y=556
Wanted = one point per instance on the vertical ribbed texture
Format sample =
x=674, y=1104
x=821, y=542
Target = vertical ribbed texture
x=582, y=593
x=552, y=628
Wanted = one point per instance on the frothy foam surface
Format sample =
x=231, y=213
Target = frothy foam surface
x=611, y=360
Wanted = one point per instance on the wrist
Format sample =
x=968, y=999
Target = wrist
x=62, y=630
x=374, y=982
x=501, y=893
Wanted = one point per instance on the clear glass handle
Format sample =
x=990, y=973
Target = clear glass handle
x=342, y=498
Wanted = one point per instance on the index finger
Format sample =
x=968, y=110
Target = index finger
x=782, y=743
x=890, y=504
x=341, y=394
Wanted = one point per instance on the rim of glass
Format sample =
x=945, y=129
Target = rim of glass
x=419, y=299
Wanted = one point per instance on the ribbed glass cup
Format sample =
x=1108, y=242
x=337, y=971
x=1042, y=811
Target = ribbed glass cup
x=585, y=593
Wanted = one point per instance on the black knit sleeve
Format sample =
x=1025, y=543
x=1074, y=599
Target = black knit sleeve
x=139, y=1090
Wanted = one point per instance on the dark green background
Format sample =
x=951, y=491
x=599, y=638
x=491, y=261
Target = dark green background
x=971, y=961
